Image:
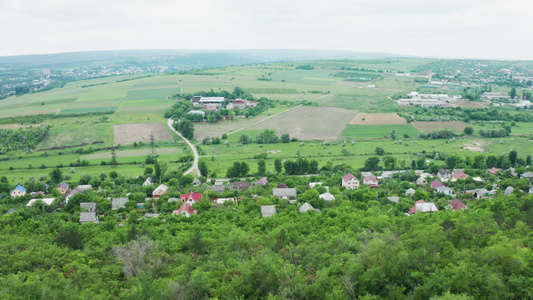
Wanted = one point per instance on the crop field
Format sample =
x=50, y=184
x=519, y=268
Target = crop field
x=377, y=119
x=378, y=131
x=81, y=110
x=129, y=133
x=308, y=123
x=271, y=91
x=132, y=153
x=427, y=127
x=471, y=104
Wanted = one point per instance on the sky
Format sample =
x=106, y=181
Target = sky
x=492, y=29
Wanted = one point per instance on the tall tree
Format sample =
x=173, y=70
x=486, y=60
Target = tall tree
x=277, y=165
x=512, y=93
x=261, y=167
x=56, y=175
x=513, y=155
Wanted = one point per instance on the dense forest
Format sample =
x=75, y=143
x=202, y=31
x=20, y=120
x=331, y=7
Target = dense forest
x=360, y=246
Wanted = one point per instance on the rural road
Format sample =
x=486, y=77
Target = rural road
x=194, y=167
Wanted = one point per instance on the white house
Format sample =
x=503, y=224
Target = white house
x=350, y=182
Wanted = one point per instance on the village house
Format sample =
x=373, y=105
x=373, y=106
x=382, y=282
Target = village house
x=494, y=170
x=63, y=188
x=410, y=192
x=444, y=175
x=160, y=191
x=88, y=217
x=18, y=191
x=221, y=201
x=240, y=185
x=326, y=197
x=46, y=201
x=458, y=174
x=509, y=190
x=457, y=204
x=424, y=207
x=307, y=207
x=421, y=181
x=117, y=203
x=436, y=184
x=394, y=199
x=287, y=193
x=350, y=182
x=185, y=210
x=88, y=206
x=445, y=190
x=196, y=182
x=261, y=181
x=268, y=210
x=148, y=181
x=191, y=197
x=371, y=181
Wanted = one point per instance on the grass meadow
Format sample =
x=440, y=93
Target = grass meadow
x=134, y=100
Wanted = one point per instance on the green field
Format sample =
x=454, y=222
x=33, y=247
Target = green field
x=334, y=100
x=378, y=131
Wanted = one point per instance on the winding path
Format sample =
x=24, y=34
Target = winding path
x=194, y=167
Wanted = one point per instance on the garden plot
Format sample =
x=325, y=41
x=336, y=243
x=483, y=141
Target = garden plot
x=129, y=133
x=377, y=119
x=309, y=123
x=428, y=127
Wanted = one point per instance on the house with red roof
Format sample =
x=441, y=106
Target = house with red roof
x=457, y=204
x=494, y=170
x=458, y=174
x=436, y=184
x=185, y=210
x=350, y=182
x=282, y=186
x=371, y=181
x=191, y=197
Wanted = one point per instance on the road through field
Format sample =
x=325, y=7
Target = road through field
x=265, y=119
x=270, y=117
x=194, y=167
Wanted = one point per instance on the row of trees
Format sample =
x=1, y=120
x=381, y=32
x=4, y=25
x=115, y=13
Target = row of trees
x=265, y=137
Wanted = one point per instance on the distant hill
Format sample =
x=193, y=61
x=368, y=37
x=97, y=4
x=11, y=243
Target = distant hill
x=186, y=59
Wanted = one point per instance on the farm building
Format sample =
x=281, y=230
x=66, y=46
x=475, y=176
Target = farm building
x=18, y=191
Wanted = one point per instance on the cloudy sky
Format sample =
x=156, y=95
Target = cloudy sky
x=445, y=28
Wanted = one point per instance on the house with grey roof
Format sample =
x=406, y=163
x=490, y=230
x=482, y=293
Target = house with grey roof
x=196, y=182
x=327, y=197
x=307, y=207
x=10, y=211
x=148, y=181
x=218, y=188
x=88, y=206
x=394, y=199
x=117, y=203
x=268, y=210
x=445, y=190
x=509, y=190
x=410, y=192
x=284, y=193
x=86, y=217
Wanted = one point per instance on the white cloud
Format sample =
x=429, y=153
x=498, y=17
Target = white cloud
x=452, y=28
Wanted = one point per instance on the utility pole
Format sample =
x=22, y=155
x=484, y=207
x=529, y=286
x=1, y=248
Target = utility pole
x=152, y=144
